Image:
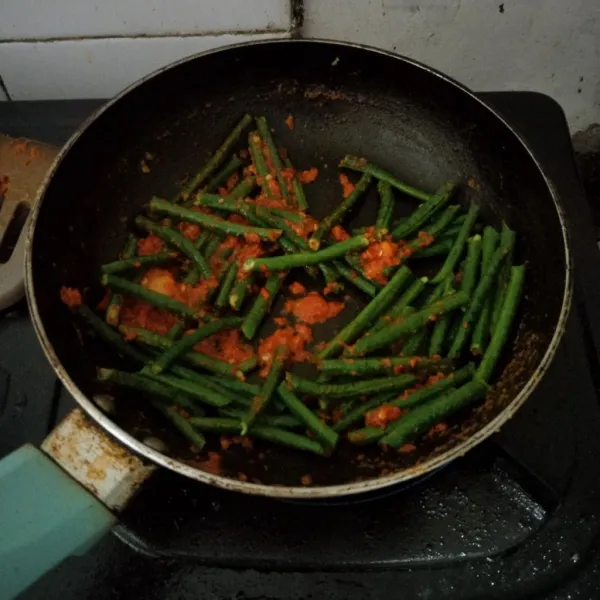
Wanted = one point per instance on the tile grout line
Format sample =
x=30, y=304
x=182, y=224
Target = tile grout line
x=147, y=36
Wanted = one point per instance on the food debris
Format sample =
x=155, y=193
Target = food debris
x=295, y=338
x=297, y=288
x=227, y=346
x=290, y=122
x=70, y=296
x=313, y=308
x=347, y=186
x=382, y=415
x=378, y=259
x=150, y=244
x=307, y=176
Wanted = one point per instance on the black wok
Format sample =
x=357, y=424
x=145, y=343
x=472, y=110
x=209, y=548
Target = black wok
x=345, y=99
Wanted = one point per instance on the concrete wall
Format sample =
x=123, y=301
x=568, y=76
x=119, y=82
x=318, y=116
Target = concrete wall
x=550, y=46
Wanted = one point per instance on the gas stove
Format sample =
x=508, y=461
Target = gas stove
x=517, y=517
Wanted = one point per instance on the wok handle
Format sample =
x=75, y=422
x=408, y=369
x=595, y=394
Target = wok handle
x=45, y=516
x=60, y=500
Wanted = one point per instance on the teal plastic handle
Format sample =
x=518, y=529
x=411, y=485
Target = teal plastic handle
x=45, y=516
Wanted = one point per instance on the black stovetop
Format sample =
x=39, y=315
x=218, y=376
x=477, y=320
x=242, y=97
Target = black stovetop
x=517, y=517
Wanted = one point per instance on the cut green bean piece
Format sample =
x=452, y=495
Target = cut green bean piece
x=410, y=324
x=354, y=388
x=424, y=212
x=327, y=436
x=260, y=402
x=507, y=240
x=362, y=165
x=138, y=262
x=368, y=315
x=113, y=311
x=500, y=288
x=459, y=243
x=338, y=214
x=265, y=132
x=261, y=305
x=210, y=222
x=159, y=300
x=182, y=424
x=415, y=342
x=421, y=418
x=303, y=259
x=176, y=239
x=505, y=321
x=186, y=343
x=270, y=434
x=215, y=160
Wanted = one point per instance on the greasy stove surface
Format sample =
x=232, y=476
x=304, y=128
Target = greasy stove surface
x=517, y=517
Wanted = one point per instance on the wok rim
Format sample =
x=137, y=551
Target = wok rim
x=281, y=491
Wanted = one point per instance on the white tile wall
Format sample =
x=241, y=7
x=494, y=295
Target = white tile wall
x=550, y=46
x=50, y=19
x=95, y=68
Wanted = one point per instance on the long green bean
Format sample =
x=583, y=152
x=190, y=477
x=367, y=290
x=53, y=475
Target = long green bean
x=271, y=434
x=187, y=342
x=215, y=160
x=338, y=214
x=212, y=223
x=421, y=418
x=481, y=332
x=181, y=424
x=113, y=310
x=265, y=133
x=261, y=305
x=412, y=323
x=138, y=262
x=385, y=365
x=458, y=246
x=369, y=314
x=424, y=212
x=354, y=388
x=178, y=240
x=505, y=320
x=156, y=299
x=303, y=259
x=507, y=239
x=364, y=166
x=327, y=436
x=260, y=402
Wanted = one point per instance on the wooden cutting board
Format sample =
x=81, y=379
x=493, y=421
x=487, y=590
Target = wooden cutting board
x=23, y=165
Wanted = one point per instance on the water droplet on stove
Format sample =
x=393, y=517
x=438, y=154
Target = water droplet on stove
x=575, y=557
